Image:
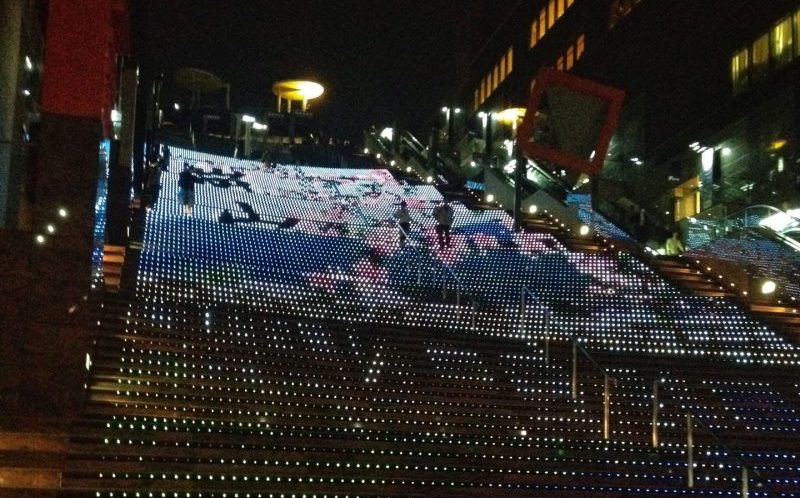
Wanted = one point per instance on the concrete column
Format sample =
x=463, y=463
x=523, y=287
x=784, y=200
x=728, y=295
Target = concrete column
x=44, y=288
x=11, y=27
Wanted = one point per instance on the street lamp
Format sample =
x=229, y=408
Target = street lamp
x=487, y=145
x=450, y=113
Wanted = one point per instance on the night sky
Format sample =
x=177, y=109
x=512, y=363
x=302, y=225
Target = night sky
x=381, y=61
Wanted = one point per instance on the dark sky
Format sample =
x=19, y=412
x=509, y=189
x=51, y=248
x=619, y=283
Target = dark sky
x=381, y=61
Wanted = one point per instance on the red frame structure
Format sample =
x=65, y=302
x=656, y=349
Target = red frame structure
x=549, y=77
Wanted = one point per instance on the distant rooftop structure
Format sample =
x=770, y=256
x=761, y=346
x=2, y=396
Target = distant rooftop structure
x=296, y=90
x=200, y=82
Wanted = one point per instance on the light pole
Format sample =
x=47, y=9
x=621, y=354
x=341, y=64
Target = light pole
x=248, y=126
x=450, y=114
x=486, y=119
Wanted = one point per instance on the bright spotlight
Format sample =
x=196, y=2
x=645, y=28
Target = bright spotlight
x=489, y=197
x=768, y=287
x=388, y=134
x=62, y=212
x=248, y=119
x=533, y=208
x=584, y=230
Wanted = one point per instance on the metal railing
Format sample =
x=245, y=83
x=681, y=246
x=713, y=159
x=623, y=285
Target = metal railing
x=525, y=294
x=693, y=419
x=607, y=380
x=450, y=282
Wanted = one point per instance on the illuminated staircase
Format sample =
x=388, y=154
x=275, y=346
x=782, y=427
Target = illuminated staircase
x=324, y=359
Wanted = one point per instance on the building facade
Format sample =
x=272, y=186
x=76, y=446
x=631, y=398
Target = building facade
x=710, y=121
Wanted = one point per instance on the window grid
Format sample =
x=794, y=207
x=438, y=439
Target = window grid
x=497, y=75
x=771, y=50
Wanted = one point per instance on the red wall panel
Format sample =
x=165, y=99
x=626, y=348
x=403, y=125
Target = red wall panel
x=80, y=58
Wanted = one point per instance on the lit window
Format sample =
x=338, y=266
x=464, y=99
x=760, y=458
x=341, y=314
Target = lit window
x=580, y=45
x=570, y=57
x=797, y=33
x=560, y=63
x=569, y=3
x=739, y=66
x=760, y=53
x=782, y=42
x=542, y=23
x=534, y=33
x=560, y=9
x=551, y=17
x=495, y=78
x=502, y=69
x=510, y=60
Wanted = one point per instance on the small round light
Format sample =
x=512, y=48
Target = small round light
x=490, y=198
x=584, y=230
x=533, y=208
x=40, y=239
x=51, y=229
x=768, y=287
x=62, y=212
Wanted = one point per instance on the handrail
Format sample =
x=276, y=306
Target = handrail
x=446, y=269
x=457, y=280
x=576, y=341
x=691, y=419
x=528, y=292
x=607, y=380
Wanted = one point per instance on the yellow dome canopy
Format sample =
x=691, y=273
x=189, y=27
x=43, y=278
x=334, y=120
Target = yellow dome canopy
x=296, y=90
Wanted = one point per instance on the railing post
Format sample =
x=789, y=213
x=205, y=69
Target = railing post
x=606, y=406
x=547, y=337
x=474, y=312
x=655, y=413
x=689, y=452
x=574, y=368
x=745, y=482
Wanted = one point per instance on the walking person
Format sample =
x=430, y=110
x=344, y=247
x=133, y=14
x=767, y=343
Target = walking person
x=186, y=182
x=443, y=214
x=403, y=218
